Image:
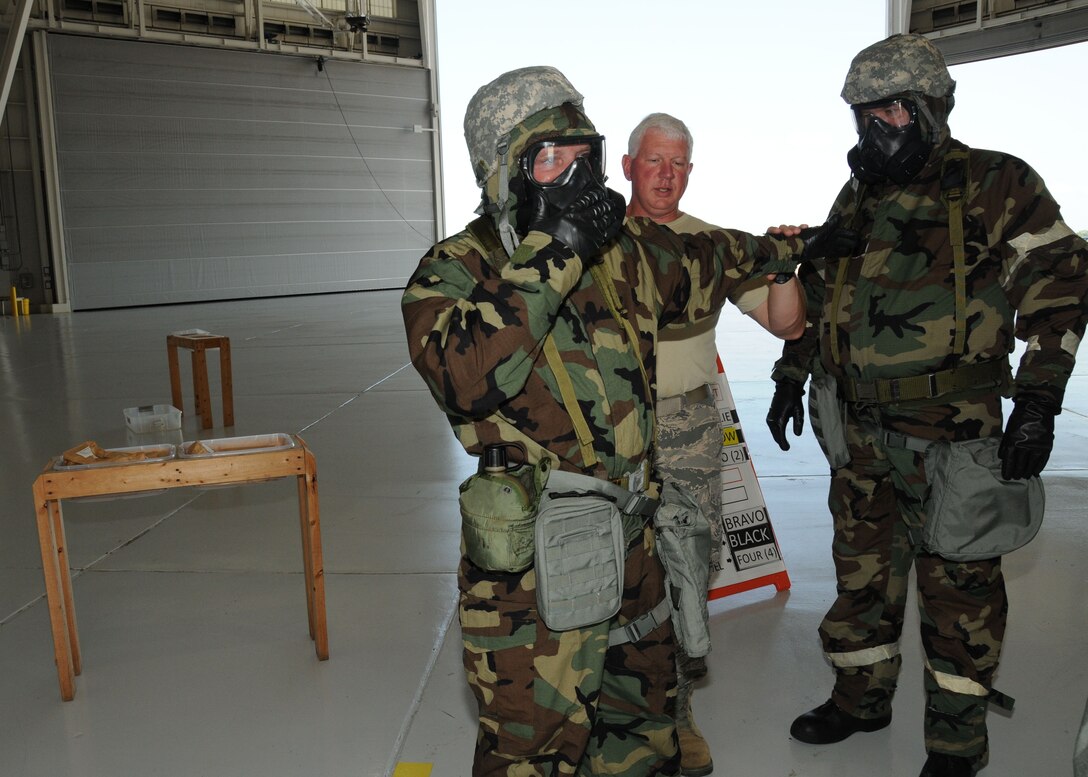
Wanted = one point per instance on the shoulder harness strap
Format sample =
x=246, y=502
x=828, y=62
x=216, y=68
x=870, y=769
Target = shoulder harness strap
x=483, y=230
x=853, y=221
x=566, y=386
x=955, y=182
x=954, y=185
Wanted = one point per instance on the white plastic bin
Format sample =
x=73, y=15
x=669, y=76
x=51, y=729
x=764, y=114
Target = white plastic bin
x=152, y=418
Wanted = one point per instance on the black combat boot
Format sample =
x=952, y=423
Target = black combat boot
x=827, y=723
x=943, y=765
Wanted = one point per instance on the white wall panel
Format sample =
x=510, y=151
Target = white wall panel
x=191, y=174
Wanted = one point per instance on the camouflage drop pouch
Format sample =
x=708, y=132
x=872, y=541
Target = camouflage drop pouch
x=683, y=542
x=827, y=413
x=498, y=514
x=972, y=513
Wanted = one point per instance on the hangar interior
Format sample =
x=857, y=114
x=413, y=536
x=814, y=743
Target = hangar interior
x=164, y=153
x=220, y=164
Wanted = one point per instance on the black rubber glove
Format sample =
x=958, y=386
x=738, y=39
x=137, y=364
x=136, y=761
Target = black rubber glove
x=1028, y=438
x=786, y=404
x=588, y=223
x=829, y=240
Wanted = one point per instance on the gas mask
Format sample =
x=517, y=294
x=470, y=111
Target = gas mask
x=891, y=145
x=552, y=175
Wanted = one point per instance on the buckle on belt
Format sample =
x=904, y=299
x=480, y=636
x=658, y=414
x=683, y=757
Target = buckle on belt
x=631, y=633
x=638, y=628
x=894, y=439
x=897, y=440
x=640, y=504
x=667, y=406
x=866, y=392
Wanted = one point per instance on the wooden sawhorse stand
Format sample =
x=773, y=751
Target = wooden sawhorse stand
x=53, y=485
x=198, y=344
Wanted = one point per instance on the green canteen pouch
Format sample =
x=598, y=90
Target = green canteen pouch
x=580, y=554
x=498, y=513
x=972, y=513
x=683, y=542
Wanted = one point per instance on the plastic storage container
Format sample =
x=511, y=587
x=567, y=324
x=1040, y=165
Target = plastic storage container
x=152, y=418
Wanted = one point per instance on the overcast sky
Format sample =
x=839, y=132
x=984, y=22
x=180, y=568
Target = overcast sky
x=758, y=84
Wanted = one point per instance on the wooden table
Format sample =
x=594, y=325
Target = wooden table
x=55, y=485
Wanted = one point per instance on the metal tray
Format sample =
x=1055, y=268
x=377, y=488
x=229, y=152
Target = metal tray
x=155, y=453
x=235, y=446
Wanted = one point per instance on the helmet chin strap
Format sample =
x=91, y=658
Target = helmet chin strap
x=510, y=239
x=930, y=120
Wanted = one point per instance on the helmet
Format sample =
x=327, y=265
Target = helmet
x=506, y=102
x=503, y=120
x=897, y=65
x=910, y=72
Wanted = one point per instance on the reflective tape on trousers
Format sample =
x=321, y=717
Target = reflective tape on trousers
x=864, y=657
x=957, y=684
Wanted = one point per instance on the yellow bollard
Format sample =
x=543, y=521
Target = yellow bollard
x=14, y=303
x=24, y=306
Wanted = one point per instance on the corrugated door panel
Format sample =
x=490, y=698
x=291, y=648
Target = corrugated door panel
x=191, y=174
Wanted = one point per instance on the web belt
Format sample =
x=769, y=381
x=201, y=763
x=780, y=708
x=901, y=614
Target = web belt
x=934, y=384
x=697, y=396
x=629, y=502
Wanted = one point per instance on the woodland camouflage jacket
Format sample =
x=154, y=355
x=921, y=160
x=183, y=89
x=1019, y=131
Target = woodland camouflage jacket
x=893, y=315
x=476, y=324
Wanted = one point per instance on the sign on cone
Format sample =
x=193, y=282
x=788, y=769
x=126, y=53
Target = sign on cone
x=750, y=556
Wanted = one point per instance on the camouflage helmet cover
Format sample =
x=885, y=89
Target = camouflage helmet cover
x=896, y=66
x=506, y=102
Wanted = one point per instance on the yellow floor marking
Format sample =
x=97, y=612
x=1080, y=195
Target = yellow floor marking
x=412, y=770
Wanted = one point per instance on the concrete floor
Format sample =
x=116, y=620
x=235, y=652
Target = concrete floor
x=191, y=608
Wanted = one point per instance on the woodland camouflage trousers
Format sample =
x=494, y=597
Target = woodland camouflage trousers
x=877, y=502
x=564, y=703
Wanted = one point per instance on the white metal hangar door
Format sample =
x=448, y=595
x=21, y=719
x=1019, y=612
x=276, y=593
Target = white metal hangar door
x=190, y=174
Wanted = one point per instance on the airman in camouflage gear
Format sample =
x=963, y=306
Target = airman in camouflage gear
x=917, y=332
x=477, y=313
x=689, y=425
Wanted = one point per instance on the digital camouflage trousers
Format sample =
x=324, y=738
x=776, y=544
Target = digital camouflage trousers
x=564, y=703
x=689, y=453
x=877, y=502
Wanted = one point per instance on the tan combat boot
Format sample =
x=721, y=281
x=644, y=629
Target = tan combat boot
x=695, y=760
